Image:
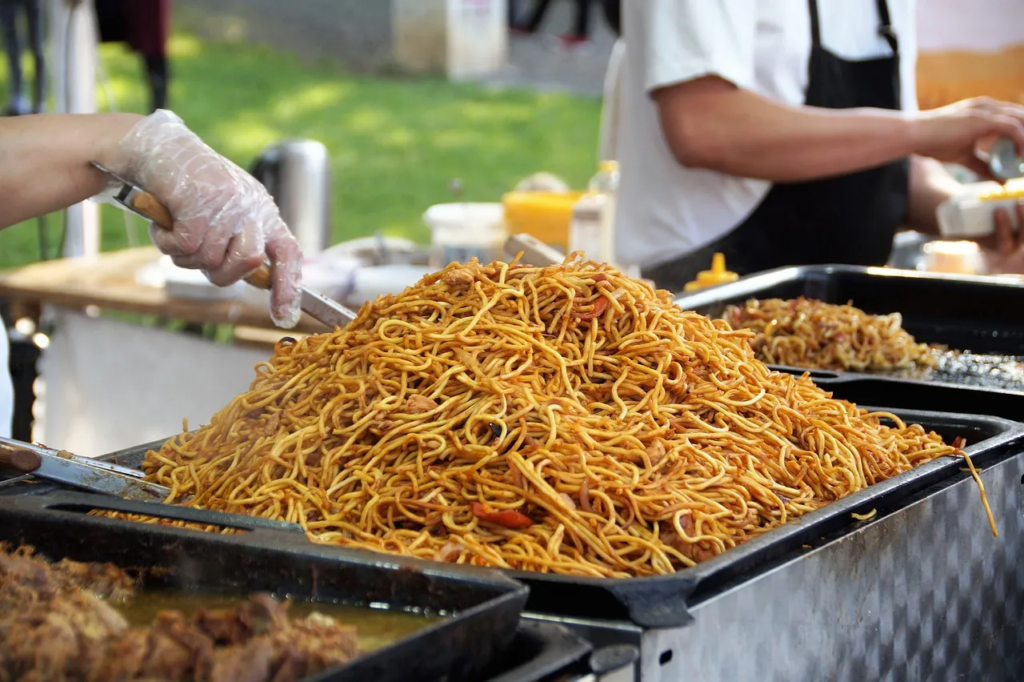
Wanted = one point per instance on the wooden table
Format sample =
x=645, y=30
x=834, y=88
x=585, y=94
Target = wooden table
x=110, y=383
x=108, y=282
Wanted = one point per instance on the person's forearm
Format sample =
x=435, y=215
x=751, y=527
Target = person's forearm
x=740, y=133
x=45, y=160
x=930, y=185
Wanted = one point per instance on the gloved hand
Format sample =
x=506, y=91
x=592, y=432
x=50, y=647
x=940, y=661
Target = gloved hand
x=225, y=222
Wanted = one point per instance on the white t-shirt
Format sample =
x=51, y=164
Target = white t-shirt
x=666, y=210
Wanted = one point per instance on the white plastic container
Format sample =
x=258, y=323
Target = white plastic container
x=606, y=182
x=969, y=215
x=592, y=230
x=184, y=284
x=585, y=228
x=954, y=258
x=383, y=280
x=464, y=231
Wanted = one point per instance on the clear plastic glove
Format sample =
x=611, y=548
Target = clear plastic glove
x=225, y=222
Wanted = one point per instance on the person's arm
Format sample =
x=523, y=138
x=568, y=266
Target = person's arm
x=712, y=124
x=225, y=222
x=45, y=160
x=930, y=185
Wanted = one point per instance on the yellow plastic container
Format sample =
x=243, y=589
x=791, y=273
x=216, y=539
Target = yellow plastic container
x=991, y=191
x=543, y=215
x=716, y=275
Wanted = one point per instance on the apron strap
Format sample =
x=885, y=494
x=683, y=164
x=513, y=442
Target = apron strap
x=815, y=26
x=885, y=28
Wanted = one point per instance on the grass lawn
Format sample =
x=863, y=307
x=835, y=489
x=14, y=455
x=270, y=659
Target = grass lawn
x=395, y=144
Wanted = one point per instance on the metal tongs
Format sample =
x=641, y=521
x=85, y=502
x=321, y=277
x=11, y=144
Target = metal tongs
x=316, y=305
x=93, y=475
x=535, y=252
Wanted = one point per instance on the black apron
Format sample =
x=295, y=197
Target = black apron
x=847, y=219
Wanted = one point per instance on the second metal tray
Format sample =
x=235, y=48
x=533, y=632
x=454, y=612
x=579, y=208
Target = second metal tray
x=979, y=315
x=481, y=610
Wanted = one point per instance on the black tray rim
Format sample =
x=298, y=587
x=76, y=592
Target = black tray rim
x=751, y=284
x=824, y=378
x=657, y=601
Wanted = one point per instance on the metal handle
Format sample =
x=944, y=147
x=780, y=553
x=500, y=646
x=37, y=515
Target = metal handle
x=535, y=252
x=828, y=376
x=654, y=603
x=19, y=456
x=149, y=207
x=66, y=502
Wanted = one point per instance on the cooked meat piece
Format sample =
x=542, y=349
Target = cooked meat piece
x=458, y=279
x=167, y=658
x=261, y=615
x=23, y=566
x=123, y=659
x=318, y=640
x=270, y=428
x=104, y=580
x=53, y=628
x=56, y=636
x=418, y=404
x=656, y=452
x=248, y=662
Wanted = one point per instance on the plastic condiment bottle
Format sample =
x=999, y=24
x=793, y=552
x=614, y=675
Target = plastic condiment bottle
x=716, y=275
x=593, y=220
x=1004, y=162
x=606, y=182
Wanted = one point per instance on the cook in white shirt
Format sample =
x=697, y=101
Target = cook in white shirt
x=225, y=222
x=785, y=132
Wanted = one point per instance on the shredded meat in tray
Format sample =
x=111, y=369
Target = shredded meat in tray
x=60, y=622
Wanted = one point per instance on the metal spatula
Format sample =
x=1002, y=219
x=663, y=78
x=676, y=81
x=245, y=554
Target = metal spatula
x=80, y=472
x=314, y=304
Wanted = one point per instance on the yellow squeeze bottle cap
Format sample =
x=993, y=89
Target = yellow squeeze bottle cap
x=716, y=275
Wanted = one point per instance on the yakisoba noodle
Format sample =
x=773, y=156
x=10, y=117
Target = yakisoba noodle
x=804, y=332
x=564, y=419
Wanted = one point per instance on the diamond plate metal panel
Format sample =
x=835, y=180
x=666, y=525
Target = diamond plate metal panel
x=926, y=593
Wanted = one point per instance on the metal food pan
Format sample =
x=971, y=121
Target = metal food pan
x=977, y=314
x=481, y=609
x=980, y=315
x=664, y=601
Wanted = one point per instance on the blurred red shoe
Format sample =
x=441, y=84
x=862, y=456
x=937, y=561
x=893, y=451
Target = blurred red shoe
x=574, y=42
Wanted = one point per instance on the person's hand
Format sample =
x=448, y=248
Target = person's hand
x=225, y=222
x=1004, y=250
x=954, y=133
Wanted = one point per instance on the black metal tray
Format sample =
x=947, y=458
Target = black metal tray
x=481, y=609
x=980, y=315
x=920, y=394
x=663, y=601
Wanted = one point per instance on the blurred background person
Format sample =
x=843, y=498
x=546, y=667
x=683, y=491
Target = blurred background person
x=144, y=25
x=15, y=38
x=579, y=35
